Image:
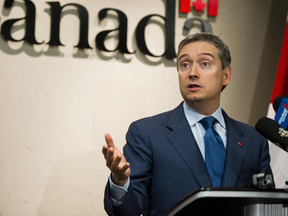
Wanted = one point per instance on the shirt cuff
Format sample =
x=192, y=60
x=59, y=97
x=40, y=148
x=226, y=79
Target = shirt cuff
x=117, y=193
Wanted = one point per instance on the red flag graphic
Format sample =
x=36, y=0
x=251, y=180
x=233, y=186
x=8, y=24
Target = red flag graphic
x=213, y=8
x=279, y=158
x=281, y=81
x=185, y=6
x=199, y=5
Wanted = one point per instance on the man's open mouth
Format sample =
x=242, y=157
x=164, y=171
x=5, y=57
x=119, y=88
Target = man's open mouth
x=193, y=86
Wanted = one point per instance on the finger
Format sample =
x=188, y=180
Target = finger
x=123, y=170
x=105, y=150
x=110, y=157
x=109, y=140
x=115, y=164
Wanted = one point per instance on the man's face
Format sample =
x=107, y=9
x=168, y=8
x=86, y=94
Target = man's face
x=201, y=77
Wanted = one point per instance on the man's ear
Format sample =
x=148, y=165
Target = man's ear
x=227, y=75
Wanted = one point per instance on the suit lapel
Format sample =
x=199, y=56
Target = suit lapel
x=184, y=142
x=236, y=151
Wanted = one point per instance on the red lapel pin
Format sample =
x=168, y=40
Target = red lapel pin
x=240, y=144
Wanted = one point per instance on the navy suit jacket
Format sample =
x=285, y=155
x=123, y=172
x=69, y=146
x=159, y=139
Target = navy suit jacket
x=166, y=163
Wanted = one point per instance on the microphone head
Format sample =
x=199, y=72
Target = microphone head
x=277, y=101
x=272, y=131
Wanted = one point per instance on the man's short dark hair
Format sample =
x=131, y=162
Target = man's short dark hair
x=223, y=50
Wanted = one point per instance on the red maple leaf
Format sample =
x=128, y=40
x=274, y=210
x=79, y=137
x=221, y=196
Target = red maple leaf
x=199, y=5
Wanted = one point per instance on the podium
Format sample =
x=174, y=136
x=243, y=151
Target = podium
x=232, y=202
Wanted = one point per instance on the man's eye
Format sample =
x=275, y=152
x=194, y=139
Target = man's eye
x=205, y=64
x=185, y=65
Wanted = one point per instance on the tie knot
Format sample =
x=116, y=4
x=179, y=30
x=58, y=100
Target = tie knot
x=208, y=122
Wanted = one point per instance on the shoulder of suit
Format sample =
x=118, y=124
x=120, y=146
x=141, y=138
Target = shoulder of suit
x=238, y=124
x=154, y=118
x=161, y=118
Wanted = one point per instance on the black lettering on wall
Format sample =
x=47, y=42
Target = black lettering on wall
x=8, y=3
x=56, y=12
x=55, y=25
x=122, y=28
x=170, y=29
x=30, y=24
x=140, y=35
x=170, y=32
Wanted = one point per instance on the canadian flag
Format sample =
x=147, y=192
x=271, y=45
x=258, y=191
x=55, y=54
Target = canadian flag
x=279, y=158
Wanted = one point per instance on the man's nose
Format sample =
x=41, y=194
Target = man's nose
x=194, y=72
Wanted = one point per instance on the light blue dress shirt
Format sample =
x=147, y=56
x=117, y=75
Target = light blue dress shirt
x=118, y=193
x=199, y=131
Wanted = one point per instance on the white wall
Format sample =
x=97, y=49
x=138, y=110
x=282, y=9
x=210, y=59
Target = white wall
x=55, y=110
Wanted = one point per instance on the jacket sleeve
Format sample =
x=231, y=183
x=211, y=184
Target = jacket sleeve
x=138, y=153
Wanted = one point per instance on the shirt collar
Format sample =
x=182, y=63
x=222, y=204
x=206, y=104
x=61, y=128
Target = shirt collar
x=194, y=117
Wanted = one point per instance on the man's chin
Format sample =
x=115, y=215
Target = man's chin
x=196, y=99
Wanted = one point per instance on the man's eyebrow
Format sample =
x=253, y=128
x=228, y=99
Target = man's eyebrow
x=200, y=54
x=182, y=56
x=209, y=54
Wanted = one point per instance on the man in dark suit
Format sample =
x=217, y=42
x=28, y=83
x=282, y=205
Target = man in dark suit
x=167, y=156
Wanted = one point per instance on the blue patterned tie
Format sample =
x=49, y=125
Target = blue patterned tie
x=215, y=154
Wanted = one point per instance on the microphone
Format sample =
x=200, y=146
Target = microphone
x=277, y=101
x=280, y=105
x=272, y=131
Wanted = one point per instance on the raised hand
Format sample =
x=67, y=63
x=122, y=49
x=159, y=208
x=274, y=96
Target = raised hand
x=116, y=162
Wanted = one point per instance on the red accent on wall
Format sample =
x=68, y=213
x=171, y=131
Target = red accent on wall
x=199, y=5
x=213, y=7
x=185, y=6
x=280, y=84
